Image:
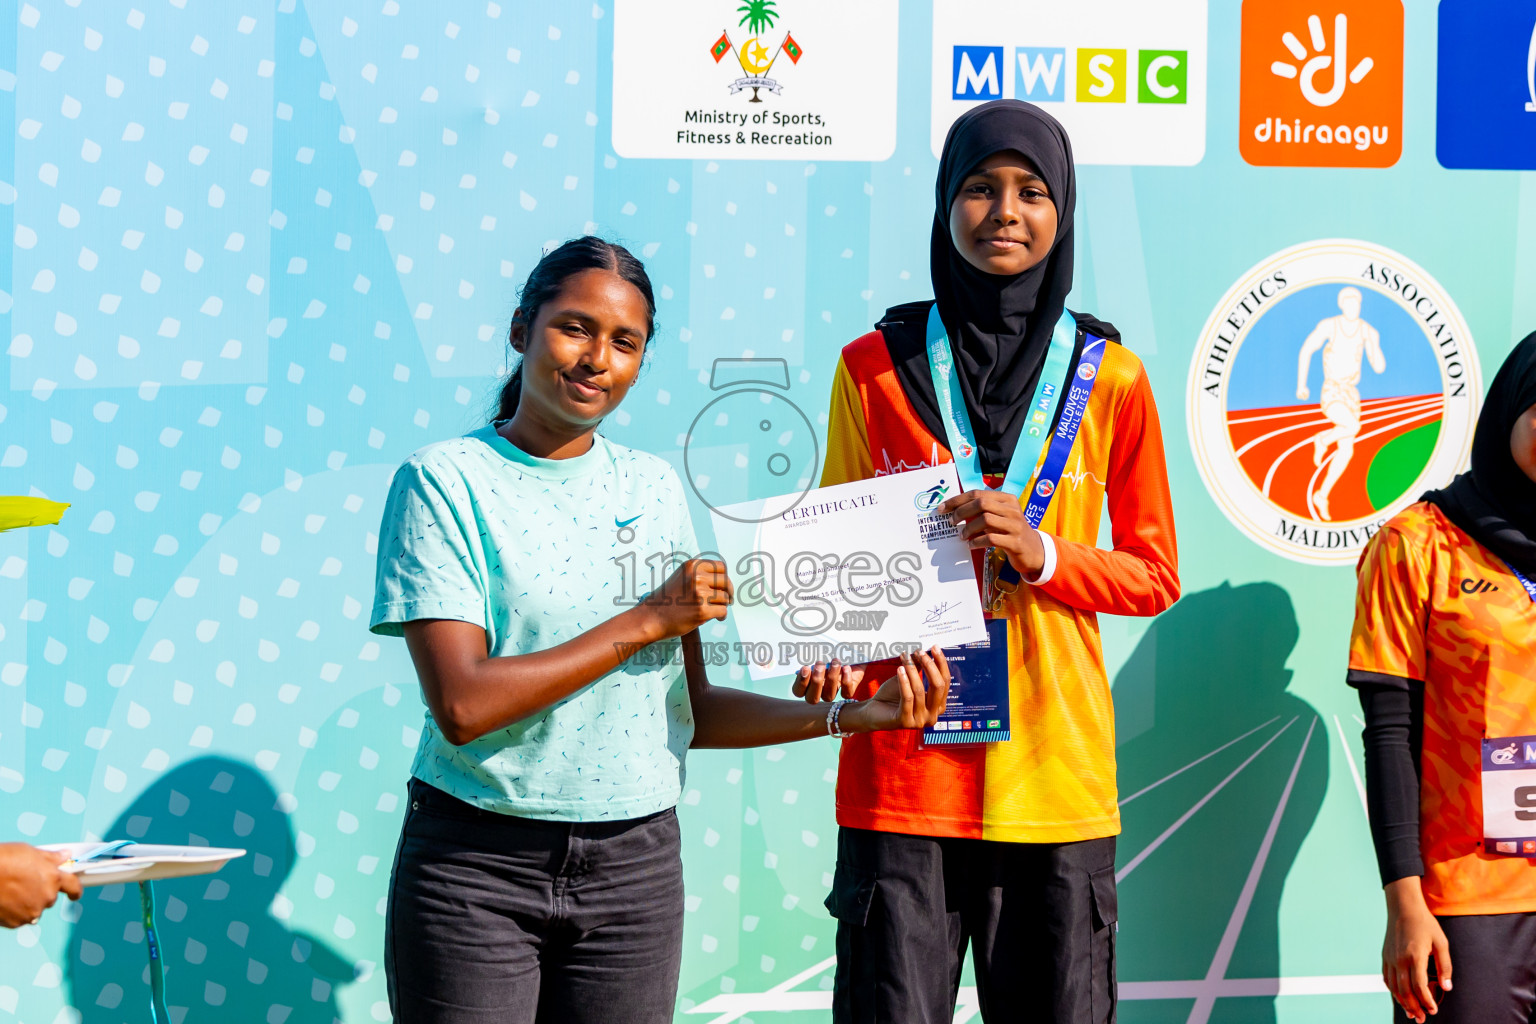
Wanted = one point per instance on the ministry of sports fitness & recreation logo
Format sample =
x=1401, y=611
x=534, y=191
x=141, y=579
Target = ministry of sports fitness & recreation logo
x=1333, y=384
x=754, y=79
x=754, y=56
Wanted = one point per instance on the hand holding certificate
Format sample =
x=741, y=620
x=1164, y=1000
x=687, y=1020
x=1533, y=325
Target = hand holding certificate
x=914, y=696
x=858, y=572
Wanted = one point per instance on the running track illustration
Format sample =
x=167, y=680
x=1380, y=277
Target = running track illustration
x=1274, y=447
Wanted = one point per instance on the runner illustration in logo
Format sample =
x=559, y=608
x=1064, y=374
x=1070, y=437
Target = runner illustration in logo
x=932, y=498
x=1344, y=339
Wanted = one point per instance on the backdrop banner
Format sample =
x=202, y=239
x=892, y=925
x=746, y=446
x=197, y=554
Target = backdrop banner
x=264, y=250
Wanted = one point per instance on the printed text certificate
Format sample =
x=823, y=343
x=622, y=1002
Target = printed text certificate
x=859, y=571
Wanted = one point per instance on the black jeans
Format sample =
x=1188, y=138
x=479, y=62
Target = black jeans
x=494, y=918
x=1039, y=918
x=1493, y=976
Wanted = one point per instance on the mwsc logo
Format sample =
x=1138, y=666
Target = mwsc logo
x=1040, y=74
x=1128, y=82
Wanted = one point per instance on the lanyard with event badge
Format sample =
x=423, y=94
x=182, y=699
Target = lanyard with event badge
x=1509, y=784
x=978, y=709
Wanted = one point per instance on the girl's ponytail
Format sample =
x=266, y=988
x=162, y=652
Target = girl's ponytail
x=511, y=391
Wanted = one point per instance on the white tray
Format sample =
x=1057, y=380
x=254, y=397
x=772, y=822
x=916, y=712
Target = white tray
x=145, y=862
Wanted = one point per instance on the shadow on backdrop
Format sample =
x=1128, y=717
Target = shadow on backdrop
x=1208, y=685
x=226, y=957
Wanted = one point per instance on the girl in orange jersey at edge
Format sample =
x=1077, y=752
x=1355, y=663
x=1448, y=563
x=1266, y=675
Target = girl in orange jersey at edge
x=1006, y=846
x=1444, y=657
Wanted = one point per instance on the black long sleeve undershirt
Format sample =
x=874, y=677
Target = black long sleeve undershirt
x=1394, y=734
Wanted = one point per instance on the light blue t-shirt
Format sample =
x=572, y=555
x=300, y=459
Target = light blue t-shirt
x=537, y=551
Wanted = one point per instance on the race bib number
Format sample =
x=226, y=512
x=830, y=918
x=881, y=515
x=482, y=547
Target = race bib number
x=1509, y=796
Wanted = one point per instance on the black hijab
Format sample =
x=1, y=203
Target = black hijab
x=1495, y=503
x=999, y=327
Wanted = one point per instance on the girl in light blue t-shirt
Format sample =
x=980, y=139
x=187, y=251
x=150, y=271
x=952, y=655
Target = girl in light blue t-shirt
x=538, y=876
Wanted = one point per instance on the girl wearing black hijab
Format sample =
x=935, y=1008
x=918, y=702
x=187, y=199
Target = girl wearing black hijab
x=1444, y=657
x=1007, y=845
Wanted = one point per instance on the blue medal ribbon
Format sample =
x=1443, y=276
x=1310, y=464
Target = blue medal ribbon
x=961, y=439
x=1530, y=587
x=157, y=1010
x=156, y=974
x=1056, y=375
x=1072, y=412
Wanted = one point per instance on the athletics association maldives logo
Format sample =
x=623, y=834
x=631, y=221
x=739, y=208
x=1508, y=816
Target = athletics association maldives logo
x=1332, y=385
x=753, y=55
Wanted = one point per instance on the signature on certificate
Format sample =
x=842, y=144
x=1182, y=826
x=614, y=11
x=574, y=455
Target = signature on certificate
x=937, y=612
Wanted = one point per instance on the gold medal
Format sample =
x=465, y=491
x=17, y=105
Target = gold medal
x=997, y=586
x=993, y=592
x=987, y=590
x=1004, y=588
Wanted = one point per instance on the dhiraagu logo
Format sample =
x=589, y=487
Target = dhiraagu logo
x=1321, y=86
x=1127, y=83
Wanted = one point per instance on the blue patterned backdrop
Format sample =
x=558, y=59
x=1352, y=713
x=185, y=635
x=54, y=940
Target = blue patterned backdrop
x=263, y=251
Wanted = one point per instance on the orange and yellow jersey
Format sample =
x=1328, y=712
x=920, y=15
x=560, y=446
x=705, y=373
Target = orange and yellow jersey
x=1435, y=606
x=1054, y=781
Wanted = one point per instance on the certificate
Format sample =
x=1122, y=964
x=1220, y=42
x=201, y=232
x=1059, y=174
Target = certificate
x=122, y=861
x=859, y=572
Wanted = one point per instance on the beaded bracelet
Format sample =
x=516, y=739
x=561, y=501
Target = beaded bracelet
x=834, y=710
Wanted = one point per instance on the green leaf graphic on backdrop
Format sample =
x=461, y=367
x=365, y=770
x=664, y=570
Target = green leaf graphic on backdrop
x=1399, y=463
